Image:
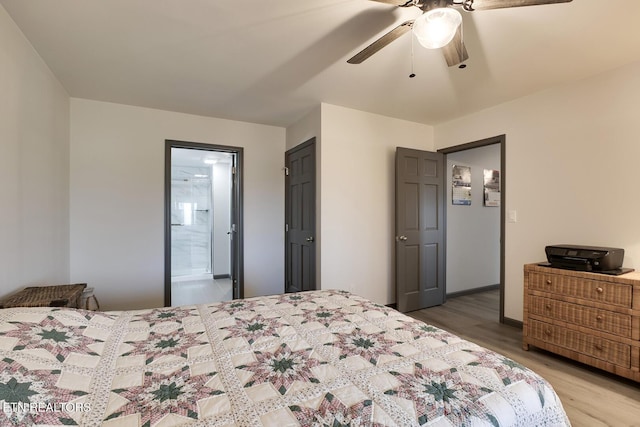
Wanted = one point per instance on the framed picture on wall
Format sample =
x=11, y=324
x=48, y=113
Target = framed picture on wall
x=491, y=187
x=461, y=185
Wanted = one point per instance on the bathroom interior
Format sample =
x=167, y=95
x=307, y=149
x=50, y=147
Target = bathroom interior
x=201, y=226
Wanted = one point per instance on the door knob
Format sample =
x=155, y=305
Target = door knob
x=402, y=238
x=309, y=239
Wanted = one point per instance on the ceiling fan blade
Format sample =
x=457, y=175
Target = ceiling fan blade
x=381, y=42
x=455, y=52
x=500, y=4
x=399, y=3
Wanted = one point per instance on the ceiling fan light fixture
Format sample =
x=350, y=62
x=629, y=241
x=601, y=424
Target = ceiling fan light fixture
x=437, y=27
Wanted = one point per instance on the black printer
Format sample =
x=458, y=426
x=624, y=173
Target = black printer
x=586, y=258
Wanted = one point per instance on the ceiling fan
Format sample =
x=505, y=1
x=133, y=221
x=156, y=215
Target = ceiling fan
x=440, y=25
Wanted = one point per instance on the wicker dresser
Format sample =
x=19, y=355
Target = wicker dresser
x=589, y=317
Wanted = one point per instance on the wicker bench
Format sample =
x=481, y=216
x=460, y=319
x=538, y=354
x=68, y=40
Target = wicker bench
x=46, y=296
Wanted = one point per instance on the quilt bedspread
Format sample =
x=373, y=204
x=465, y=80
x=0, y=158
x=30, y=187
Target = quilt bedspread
x=320, y=358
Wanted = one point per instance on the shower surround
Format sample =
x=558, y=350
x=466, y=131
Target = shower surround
x=191, y=218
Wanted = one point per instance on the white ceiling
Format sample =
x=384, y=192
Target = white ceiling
x=272, y=61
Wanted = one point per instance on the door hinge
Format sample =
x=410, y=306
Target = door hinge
x=286, y=228
x=233, y=170
x=286, y=170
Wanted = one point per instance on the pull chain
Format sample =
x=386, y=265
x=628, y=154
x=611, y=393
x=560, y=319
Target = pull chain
x=412, y=75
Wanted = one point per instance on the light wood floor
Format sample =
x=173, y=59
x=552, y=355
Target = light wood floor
x=590, y=397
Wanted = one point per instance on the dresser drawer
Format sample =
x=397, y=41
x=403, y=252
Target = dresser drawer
x=593, y=290
x=599, y=320
x=600, y=348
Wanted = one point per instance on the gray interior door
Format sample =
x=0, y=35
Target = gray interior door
x=235, y=232
x=300, y=217
x=420, y=251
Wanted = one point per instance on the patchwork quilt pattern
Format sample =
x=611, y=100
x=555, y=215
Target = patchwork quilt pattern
x=320, y=358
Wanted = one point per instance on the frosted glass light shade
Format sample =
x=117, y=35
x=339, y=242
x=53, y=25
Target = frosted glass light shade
x=436, y=28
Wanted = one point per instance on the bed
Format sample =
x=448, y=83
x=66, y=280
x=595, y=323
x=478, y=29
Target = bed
x=320, y=358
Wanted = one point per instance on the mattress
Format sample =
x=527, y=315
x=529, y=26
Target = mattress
x=320, y=358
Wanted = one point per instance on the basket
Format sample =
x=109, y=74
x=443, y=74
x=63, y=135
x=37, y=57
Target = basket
x=46, y=296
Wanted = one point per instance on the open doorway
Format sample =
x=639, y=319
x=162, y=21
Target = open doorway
x=476, y=230
x=203, y=227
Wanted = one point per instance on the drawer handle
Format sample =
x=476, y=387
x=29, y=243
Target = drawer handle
x=547, y=331
x=599, y=347
x=599, y=317
x=548, y=307
x=599, y=290
x=548, y=281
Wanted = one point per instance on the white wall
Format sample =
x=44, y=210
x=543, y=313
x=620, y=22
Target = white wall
x=117, y=198
x=307, y=127
x=473, y=232
x=357, y=174
x=34, y=167
x=571, y=156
